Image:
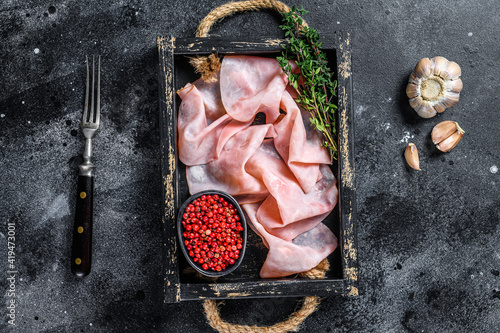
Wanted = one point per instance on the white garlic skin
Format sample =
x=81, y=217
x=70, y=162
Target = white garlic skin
x=434, y=86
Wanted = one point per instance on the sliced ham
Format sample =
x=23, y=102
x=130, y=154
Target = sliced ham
x=250, y=85
x=278, y=170
x=210, y=93
x=197, y=133
x=227, y=173
x=290, y=257
x=299, y=144
x=288, y=211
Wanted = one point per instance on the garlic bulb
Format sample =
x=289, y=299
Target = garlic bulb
x=411, y=156
x=446, y=135
x=434, y=86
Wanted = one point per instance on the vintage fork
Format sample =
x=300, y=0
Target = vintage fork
x=81, y=256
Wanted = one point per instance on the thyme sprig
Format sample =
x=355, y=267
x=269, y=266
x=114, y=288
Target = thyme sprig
x=315, y=84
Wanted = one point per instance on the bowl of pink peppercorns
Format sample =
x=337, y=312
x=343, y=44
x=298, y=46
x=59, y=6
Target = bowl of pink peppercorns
x=212, y=232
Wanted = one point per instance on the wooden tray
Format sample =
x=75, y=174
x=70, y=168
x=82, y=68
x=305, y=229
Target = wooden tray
x=181, y=282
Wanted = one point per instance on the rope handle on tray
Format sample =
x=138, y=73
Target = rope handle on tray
x=292, y=324
x=206, y=66
x=237, y=7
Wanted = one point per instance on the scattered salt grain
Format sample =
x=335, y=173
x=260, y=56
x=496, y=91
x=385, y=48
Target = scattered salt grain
x=407, y=136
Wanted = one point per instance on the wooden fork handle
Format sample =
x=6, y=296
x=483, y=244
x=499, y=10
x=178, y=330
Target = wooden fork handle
x=81, y=256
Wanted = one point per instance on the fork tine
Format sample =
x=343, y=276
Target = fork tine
x=86, y=106
x=98, y=106
x=91, y=116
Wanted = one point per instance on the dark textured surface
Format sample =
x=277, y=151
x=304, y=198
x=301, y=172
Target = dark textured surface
x=429, y=249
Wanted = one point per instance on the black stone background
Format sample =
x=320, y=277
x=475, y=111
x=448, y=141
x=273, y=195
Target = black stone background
x=429, y=249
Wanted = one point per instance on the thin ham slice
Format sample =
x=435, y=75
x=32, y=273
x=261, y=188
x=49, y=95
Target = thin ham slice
x=198, y=134
x=249, y=85
x=210, y=93
x=290, y=257
x=227, y=173
x=299, y=144
x=288, y=211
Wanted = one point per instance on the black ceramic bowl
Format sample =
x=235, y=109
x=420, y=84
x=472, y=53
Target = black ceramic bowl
x=180, y=230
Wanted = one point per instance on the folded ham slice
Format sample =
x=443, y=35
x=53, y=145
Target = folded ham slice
x=288, y=211
x=201, y=134
x=278, y=170
x=249, y=85
x=290, y=257
x=227, y=173
x=210, y=93
x=299, y=144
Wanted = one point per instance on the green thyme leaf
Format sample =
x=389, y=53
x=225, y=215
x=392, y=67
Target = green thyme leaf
x=317, y=87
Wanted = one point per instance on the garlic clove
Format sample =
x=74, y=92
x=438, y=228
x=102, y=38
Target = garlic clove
x=425, y=109
x=411, y=156
x=412, y=90
x=443, y=130
x=450, y=142
x=446, y=135
x=438, y=63
x=455, y=86
x=451, y=72
x=423, y=68
x=414, y=79
x=416, y=102
x=439, y=107
x=450, y=99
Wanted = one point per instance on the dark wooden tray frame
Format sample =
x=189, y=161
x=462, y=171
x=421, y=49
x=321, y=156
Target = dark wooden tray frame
x=174, y=289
